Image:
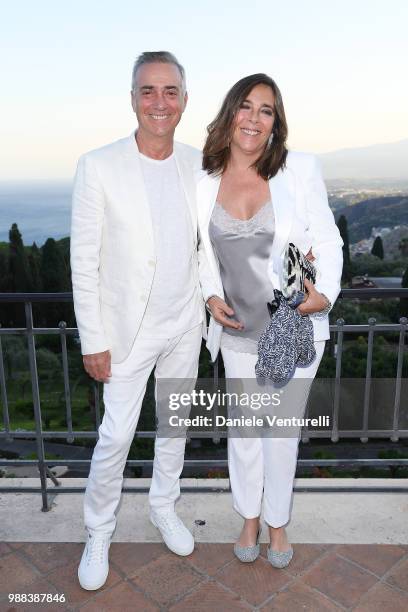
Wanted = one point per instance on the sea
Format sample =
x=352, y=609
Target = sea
x=41, y=209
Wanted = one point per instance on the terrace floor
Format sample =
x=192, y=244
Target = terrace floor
x=321, y=577
x=350, y=553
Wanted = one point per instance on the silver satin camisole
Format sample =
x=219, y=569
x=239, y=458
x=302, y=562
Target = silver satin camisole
x=243, y=249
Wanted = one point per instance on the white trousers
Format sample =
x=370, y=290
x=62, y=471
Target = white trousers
x=123, y=396
x=264, y=466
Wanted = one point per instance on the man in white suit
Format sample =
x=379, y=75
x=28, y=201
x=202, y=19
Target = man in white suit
x=137, y=296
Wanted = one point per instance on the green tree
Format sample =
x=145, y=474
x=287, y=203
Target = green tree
x=53, y=270
x=5, y=309
x=403, y=246
x=404, y=301
x=4, y=271
x=53, y=280
x=342, y=225
x=64, y=246
x=378, y=248
x=34, y=261
x=19, y=269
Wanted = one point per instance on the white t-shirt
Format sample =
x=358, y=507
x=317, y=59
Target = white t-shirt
x=174, y=302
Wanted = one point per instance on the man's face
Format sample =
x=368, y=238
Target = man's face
x=158, y=99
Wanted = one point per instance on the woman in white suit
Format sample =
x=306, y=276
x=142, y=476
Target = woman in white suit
x=253, y=198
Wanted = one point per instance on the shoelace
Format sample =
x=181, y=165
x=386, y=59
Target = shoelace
x=96, y=548
x=170, y=522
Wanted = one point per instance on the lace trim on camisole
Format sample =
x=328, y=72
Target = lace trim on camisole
x=239, y=345
x=222, y=219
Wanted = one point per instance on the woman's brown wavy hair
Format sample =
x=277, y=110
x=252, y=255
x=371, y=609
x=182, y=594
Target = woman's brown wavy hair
x=216, y=153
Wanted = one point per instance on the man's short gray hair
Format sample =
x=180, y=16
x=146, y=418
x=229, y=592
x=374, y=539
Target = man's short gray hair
x=161, y=57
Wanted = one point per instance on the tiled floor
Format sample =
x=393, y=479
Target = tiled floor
x=145, y=577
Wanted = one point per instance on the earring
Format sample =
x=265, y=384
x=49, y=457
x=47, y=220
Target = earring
x=270, y=139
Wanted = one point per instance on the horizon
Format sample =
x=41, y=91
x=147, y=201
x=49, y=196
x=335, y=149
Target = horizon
x=42, y=209
x=58, y=181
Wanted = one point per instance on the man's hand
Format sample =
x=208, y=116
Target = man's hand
x=221, y=311
x=98, y=365
x=314, y=302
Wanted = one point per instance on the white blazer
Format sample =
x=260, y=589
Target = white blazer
x=112, y=246
x=302, y=216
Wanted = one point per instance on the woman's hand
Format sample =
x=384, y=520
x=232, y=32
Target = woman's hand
x=310, y=256
x=314, y=302
x=221, y=311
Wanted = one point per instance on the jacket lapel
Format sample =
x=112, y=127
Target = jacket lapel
x=136, y=196
x=283, y=193
x=186, y=173
x=207, y=190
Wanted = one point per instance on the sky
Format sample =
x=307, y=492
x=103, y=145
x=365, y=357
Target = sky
x=66, y=67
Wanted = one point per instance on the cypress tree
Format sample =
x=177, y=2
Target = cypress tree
x=342, y=225
x=343, y=229
x=404, y=301
x=4, y=287
x=403, y=246
x=4, y=271
x=53, y=280
x=19, y=269
x=378, y=248
x=52, y=267
x=34, y=261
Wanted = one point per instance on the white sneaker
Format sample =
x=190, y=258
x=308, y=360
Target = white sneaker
x=175, y=534
x=94, y=567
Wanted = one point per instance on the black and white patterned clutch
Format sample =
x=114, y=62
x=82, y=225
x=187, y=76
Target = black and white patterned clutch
x=295, y=269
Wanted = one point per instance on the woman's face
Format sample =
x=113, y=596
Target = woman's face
x=254, y=121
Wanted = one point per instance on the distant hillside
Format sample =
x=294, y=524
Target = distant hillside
x=377, y=212
x=380, y=161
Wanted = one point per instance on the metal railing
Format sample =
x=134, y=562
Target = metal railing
x=338, y=330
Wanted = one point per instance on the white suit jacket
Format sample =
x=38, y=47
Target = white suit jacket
x=302, y=216
x=112, y=246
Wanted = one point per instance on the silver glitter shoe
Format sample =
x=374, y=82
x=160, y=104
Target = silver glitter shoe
x=248, y=554
x=280, y=559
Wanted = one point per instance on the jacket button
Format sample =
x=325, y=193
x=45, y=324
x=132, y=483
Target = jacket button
x=143, y=298
x=151, y=263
